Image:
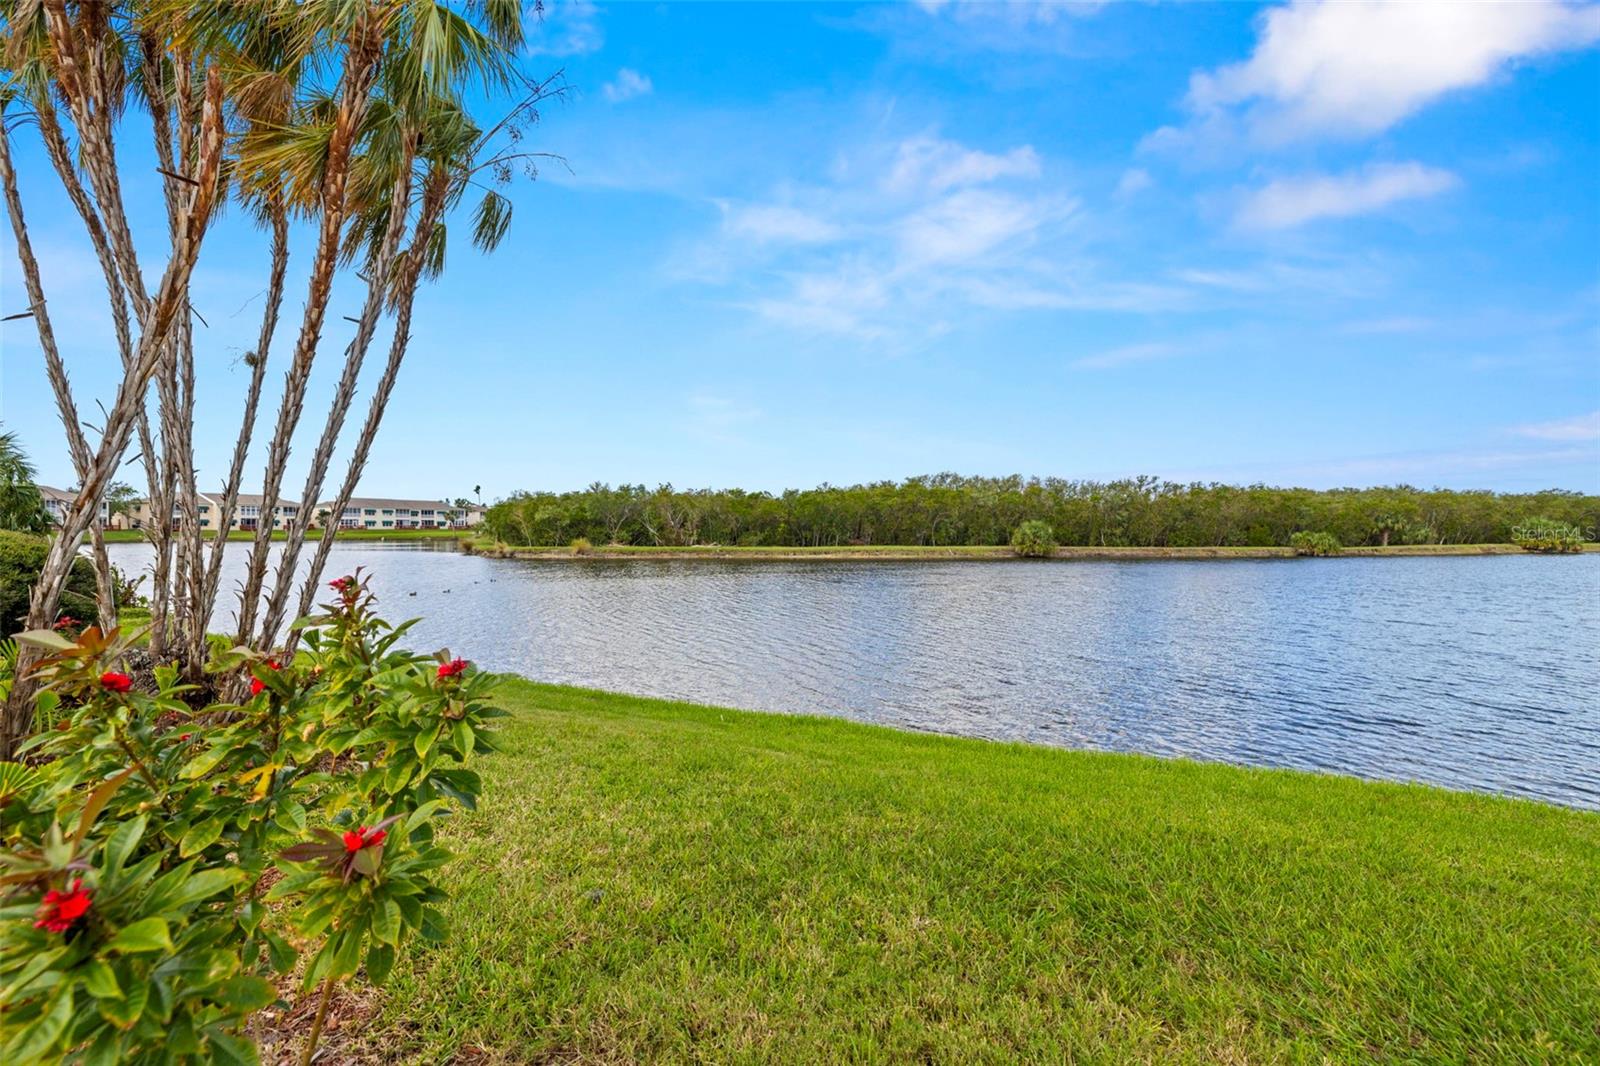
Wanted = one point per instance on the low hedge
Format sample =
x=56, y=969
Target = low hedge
x=21, y=560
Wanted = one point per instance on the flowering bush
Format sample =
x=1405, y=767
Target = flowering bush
x=139, y=836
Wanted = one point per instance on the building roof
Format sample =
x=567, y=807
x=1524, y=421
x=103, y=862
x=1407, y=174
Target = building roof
x=384, y=502
x=59, y=495
x=251, y=499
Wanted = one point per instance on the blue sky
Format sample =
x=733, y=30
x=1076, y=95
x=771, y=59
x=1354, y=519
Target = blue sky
x=1319, y=245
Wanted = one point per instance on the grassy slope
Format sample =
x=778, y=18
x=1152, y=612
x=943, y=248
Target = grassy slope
x=661, y=882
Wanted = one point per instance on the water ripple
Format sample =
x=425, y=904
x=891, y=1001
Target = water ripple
x=1475, y=673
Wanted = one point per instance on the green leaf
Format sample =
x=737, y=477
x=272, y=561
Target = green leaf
x=421, y=815
x=347, y=956
x=464, y=737
x=120, y=846
x=279, y=952
x=106, y=1049
x=34, y=1041
x=292, y=817
x=203, y=763
x=245, y=994
x=396, y=777
x=96, y=802
x=410, y=911
x=386, y=921
x=35, y=966
x=101, y=980
x=48, y=639
x=202, y=885
x=366, y=861
x=124, y=1012
x=201, y=836
x=231, y=1050
x=380, y=960
x=147, y=934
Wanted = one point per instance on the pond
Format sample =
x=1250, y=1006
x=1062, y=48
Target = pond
x=1468, y=672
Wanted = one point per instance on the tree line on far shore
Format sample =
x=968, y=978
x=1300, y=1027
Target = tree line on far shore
x=950, y=509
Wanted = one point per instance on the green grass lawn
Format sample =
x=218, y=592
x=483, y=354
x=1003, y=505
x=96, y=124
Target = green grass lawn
x=650, y=881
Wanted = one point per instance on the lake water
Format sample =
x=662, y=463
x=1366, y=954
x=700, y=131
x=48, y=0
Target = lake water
x=1474, y=673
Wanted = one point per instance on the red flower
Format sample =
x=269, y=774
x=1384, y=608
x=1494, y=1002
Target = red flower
x=112, y=681
x=185, y=736
x=453, y=667
x=344, y=585
x=256, y=687
x=356, y=839
x=60, y=910
x=67, y=622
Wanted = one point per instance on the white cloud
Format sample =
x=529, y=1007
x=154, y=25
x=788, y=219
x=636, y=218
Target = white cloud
x=1295, y=201
x=968, y=225
x=927, y=162
x=1018, y=13
x=628, y=84
x=1578, y=427
x=901, y=238
x=567, y=28
x=1134, y=181
x=776, y=223
x=1355, y=69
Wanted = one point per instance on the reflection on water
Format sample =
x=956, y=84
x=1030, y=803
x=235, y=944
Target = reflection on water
x=1473, y=673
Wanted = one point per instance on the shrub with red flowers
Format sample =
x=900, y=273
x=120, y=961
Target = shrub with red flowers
x=258, y=686
x=112, y=681
x=61, y=910
x=137, y=839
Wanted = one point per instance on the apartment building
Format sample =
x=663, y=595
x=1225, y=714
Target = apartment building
x=247, y=513
x=380, y=513
x=58, y=501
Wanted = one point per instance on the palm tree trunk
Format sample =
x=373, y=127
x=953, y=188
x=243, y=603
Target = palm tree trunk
x=81, y=74
x=258, y=371
x=355, y=355
x=359, y=71
x=406, y=285
x=156, y=324
x=55, y=370
x=61, y=159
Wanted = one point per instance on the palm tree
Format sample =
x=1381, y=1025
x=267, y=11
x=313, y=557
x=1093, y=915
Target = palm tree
x=80, y=71
x=346, y=114
x=21, y=505
x=419, y=146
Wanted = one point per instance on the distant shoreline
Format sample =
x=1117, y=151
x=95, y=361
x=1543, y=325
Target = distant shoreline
x=136, y=536
x=978, y=553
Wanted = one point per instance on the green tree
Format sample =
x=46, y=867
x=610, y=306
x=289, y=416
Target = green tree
x=21, y=504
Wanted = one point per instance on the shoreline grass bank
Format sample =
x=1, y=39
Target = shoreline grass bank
x=655, y=881
x=984, y=552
